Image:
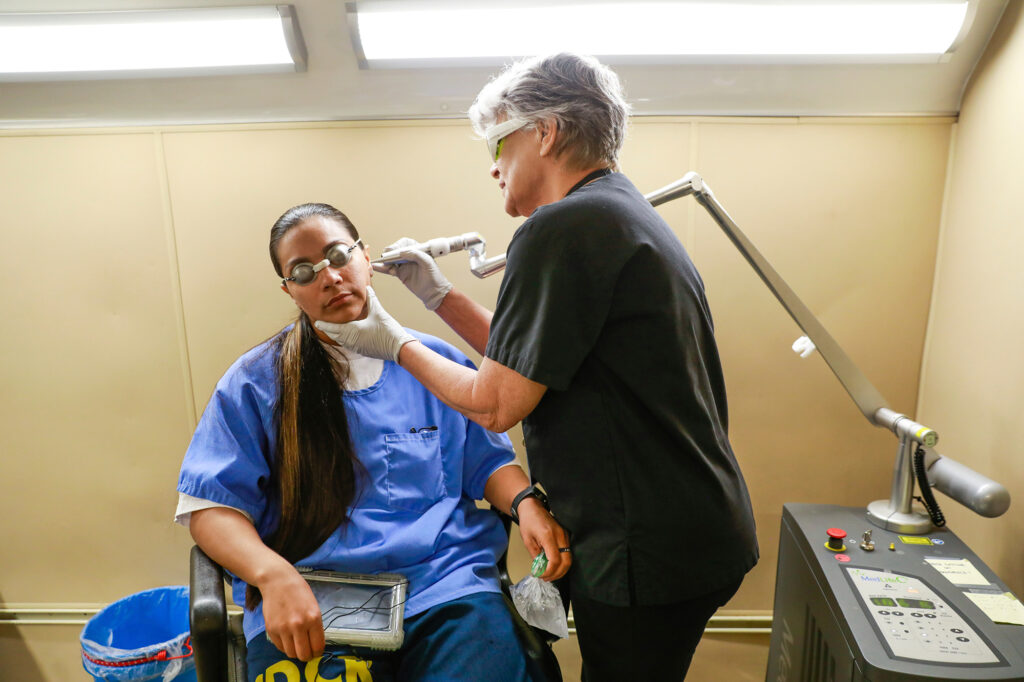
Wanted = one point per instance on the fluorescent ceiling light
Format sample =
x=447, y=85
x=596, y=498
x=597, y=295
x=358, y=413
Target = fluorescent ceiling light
x=51, y=46
x=402, y=34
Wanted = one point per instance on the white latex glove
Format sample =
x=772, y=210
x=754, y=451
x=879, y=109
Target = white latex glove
x=420, y=275
x=378, y=336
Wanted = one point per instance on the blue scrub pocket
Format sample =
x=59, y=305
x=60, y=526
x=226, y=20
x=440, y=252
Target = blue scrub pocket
x=415, y=472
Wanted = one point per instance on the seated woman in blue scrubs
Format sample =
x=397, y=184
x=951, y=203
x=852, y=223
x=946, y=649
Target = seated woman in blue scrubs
x=310, y=455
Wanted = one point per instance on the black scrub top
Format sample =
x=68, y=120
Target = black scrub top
x=601, y=304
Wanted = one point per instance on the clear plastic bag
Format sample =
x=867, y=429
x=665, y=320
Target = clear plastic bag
x=540, y=604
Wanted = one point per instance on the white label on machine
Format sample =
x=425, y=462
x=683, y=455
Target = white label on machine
x=915, y=622
x=958, y=571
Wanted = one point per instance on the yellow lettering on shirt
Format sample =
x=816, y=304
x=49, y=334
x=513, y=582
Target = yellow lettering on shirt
x=356, y=670
x=287, y=668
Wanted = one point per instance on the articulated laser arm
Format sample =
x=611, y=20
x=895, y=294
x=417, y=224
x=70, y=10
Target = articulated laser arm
x=978, y=493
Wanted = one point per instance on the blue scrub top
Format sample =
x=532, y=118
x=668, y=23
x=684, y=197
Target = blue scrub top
x=414, y=512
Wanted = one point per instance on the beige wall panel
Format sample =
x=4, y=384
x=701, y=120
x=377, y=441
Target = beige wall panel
x=972, y=391
x=567, y=651
x=730, y=658
x=719, y=657
x=93, y=407
x=41, y=653
x=93, y=412
x=848, y=214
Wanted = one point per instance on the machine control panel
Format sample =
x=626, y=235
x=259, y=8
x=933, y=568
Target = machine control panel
x=914, y=621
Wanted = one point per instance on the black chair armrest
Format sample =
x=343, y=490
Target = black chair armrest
x=207, y=615
x=541, y=659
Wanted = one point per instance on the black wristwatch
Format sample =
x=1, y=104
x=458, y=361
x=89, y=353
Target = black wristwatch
x=532, y=491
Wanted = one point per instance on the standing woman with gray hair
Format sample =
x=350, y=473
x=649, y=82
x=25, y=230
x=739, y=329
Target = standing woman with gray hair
x=602, y=344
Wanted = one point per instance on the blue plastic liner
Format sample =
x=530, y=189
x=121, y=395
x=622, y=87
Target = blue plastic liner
x=144, y=636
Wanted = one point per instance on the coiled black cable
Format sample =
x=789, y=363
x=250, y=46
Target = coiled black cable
x=926, y=498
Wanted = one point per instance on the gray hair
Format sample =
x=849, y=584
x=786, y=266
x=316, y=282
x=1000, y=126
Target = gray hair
x=580, y=93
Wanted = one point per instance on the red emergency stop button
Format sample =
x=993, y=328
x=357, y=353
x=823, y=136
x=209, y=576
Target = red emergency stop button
x=835, y=539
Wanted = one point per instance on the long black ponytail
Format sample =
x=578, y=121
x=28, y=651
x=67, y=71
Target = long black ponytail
x=313, y=470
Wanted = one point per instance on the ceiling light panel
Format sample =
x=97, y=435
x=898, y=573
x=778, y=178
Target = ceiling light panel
x=54, y=46
x=411, y=34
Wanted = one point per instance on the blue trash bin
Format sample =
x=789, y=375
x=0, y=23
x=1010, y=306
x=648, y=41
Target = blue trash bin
x=144, y=636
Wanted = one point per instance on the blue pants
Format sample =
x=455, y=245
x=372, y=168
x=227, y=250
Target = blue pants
x=470, y=639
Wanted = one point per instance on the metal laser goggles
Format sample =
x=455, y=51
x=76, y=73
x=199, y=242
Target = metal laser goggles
x=337, y=256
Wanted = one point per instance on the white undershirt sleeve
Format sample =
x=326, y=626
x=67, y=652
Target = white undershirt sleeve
x=188, y=504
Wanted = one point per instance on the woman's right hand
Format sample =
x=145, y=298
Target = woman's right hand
x=291, y=613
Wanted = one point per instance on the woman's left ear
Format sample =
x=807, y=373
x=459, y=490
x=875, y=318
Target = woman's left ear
x=366, y=254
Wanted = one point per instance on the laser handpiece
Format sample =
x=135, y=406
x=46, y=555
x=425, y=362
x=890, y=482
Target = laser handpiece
x=479, y=264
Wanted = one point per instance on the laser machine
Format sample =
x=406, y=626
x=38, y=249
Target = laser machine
x=886, y=594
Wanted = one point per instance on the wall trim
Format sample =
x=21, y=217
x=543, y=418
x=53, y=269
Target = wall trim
x=726, y=622
x=463, y=122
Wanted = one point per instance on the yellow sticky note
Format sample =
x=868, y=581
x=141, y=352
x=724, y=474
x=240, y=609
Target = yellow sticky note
x=1001, y=608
